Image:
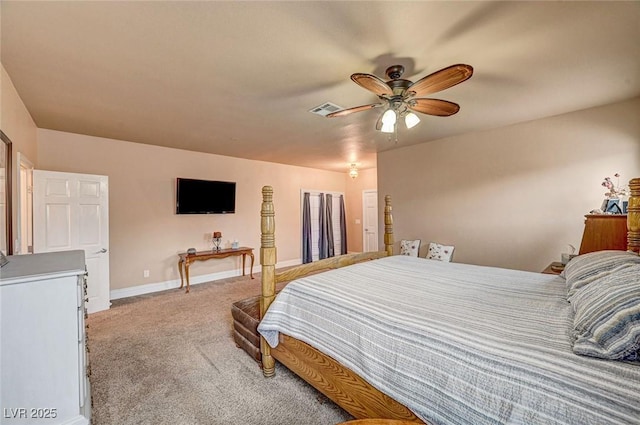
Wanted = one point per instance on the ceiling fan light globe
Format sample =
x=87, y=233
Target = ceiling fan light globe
x=411, y=120
x=388, y=118
x=387, y=128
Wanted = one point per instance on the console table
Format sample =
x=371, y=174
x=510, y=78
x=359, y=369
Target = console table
x=185, y=260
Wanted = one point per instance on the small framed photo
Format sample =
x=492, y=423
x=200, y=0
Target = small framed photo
x=613, y=206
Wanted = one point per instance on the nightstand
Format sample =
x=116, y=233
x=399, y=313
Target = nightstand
x=554, y=268
x=604, y=231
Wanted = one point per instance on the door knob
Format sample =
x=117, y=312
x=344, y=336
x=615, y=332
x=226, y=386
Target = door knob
x=102, y=251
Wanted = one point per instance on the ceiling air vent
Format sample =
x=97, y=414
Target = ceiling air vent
x=326, y=108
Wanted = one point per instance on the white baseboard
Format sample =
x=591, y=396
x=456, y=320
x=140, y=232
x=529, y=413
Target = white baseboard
x=92, y=307
x=193, y=280
x=289, y=263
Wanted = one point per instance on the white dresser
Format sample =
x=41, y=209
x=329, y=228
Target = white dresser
x=43, y=354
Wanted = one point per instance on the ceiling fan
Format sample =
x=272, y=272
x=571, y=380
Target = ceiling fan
x=402, y=97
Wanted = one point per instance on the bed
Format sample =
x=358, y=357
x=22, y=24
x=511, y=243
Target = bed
x=444, y=343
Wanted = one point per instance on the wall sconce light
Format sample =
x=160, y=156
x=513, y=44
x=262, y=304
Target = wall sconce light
x=353, y=171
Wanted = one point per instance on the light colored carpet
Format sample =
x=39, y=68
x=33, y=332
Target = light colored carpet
x=169, y=358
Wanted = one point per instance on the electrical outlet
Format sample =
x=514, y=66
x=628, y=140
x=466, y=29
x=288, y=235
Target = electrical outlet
x=145, y=273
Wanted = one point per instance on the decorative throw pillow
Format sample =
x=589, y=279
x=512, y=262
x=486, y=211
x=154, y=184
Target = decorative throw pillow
x=586, y=268
x=607, y=319
x=409, y=248
x=440, y=252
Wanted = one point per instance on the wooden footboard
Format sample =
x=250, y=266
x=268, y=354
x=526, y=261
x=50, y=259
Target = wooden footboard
x=337, y=382
x=340, y=384
x=327, y=264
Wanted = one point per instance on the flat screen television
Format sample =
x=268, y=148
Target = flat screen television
x=205, y=197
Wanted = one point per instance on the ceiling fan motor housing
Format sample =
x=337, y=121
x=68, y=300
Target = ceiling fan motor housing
x=399, y=86
x=395, y=71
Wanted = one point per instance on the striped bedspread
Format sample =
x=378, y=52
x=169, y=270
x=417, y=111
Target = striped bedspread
x=456, y=343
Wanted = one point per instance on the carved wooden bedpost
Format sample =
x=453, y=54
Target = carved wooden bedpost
x=268, y=262
x=388, y=226
x=633, y=217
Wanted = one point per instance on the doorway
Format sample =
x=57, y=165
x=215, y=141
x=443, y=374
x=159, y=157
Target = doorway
x=6, y=225
x=370, y=220
x=24, y=241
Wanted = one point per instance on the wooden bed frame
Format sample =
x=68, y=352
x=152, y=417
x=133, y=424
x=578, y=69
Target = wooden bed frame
x=340, y=384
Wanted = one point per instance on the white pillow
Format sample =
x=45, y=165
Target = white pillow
x=409, y=248
x=586, y=268
x=607, y=316
x=440, y=252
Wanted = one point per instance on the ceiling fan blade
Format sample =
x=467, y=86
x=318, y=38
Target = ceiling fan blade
x=441, y=108
x=372, y=83
x=352, y=110
x=441, y=80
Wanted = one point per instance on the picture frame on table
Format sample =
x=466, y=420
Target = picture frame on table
x=612, y=206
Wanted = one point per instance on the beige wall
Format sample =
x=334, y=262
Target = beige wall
x=15, y=120
x=17, y=124
x=366, y=180
x=145, y=232
x=511, y=197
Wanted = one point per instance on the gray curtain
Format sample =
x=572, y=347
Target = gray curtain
x=343, y=227
x=323, y=250
x=307, y=253
x=329, y=224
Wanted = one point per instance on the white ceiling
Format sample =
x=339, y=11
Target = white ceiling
x=238, y=78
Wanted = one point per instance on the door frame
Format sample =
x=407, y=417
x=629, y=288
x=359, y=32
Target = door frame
x=6, y=146
x=23, y=211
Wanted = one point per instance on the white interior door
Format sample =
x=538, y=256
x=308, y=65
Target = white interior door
x=370, y=220
x=71, y=211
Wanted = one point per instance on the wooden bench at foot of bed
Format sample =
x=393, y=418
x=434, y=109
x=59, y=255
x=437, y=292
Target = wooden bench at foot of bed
x=246, y=316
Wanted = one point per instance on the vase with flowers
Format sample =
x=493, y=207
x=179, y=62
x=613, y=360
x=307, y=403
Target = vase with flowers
x=615, y=190
x=617, y=198
x=216, y=238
